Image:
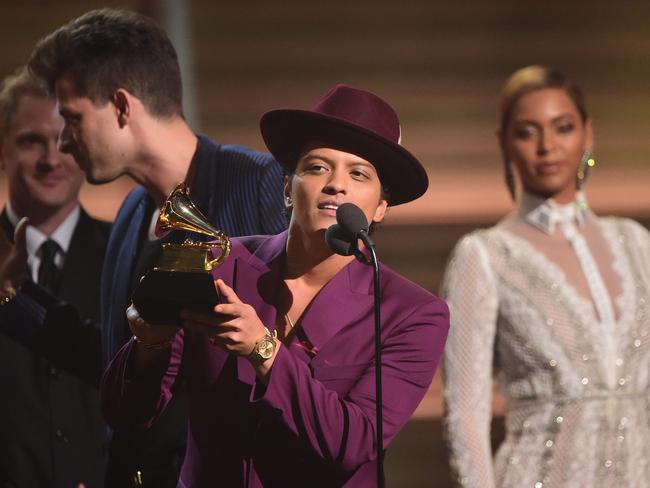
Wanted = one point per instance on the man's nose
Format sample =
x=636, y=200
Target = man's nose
x=52, y=154
x=64, y=141
x=336, y=183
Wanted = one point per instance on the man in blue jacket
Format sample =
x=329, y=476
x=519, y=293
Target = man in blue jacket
x=117, y=81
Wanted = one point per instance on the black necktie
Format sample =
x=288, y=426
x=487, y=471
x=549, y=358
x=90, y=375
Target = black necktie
x=49, y=275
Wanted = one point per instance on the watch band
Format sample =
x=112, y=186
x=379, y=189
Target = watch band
x=265, y=347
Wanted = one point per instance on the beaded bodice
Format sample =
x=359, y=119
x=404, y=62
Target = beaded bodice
x=576, y=387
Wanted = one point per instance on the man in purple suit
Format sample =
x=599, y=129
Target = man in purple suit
x=281, y=374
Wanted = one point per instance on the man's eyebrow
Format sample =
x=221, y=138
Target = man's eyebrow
x=354, y=162
x=31, y=136
x=360, y=162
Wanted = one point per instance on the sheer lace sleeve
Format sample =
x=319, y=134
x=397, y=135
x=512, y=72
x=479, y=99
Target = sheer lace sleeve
x=638, y=245
x=469, y=287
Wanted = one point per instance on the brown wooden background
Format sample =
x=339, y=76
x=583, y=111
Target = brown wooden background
x=440, y=64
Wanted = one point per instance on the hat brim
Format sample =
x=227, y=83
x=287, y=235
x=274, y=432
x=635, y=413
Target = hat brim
x=288, y=132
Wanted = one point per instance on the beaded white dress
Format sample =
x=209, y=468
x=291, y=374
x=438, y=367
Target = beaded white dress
x=575, y=371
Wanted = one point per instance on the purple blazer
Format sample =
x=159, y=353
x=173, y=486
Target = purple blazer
x=314, y=423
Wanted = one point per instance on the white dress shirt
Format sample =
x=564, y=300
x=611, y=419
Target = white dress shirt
x=62, y=235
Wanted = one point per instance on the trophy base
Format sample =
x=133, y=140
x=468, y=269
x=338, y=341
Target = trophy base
x=161, y=295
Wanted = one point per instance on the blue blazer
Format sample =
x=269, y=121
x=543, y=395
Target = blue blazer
x=237, y=189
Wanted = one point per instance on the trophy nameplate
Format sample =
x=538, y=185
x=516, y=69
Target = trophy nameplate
x=182, y=278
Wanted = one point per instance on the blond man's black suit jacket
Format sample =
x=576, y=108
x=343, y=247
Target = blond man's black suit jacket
x=51, y=429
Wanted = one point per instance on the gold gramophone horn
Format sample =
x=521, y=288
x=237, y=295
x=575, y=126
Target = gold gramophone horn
x=180, y=213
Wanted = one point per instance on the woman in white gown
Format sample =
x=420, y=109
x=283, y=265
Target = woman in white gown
x=553, y=301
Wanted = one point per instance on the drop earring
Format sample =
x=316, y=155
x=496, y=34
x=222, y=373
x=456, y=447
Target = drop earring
x=288, y=202
x=584, y=169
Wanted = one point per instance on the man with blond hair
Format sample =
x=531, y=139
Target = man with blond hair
x=51, y=254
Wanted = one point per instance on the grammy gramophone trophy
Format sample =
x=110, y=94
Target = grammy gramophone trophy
x=182, y=279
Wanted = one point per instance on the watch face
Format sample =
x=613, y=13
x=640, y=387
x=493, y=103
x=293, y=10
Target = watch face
x=265, y=348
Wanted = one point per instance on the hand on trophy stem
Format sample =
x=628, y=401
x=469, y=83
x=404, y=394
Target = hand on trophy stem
x=234, y=326
x=13, y=258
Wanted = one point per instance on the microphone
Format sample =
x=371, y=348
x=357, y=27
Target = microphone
x=340, y=241
x=353, y=221
x=343, y=243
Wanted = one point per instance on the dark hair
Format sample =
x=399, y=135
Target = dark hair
x=105, y=50
x=527, y=80
x=14, y=87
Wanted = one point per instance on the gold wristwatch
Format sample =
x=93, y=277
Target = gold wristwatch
x=265, y=347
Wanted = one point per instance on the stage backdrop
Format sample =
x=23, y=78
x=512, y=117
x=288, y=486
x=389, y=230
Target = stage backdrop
x=441, y=65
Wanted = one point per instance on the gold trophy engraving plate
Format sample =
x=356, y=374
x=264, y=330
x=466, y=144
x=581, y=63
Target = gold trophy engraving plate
x=184, y=257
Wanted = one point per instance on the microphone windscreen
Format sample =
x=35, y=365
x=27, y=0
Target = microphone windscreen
x=339, y=241
x=351, y=219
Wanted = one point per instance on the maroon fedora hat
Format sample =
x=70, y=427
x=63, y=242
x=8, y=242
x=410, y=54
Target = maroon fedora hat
x=354, y=121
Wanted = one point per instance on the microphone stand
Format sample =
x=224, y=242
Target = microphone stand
x=378, y=387
x=343, y=237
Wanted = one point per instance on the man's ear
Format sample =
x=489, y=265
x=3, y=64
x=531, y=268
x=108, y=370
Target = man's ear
x=380, y=212
x=287, y=188
x=122, y=102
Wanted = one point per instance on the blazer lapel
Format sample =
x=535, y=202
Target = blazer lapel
x=201, y=191
x=340, y=302
x=255, y=280
x=82, y=268
x=116, y=275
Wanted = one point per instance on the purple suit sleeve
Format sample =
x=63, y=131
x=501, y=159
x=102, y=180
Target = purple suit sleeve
x=342, y=429
x=130, y=400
